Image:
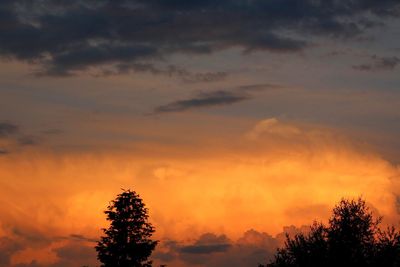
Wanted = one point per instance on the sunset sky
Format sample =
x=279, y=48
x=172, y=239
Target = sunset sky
x=236, y=121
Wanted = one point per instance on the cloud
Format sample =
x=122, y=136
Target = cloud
x=212, y=250
x=27, y=140
x=205, y=249
x=252, y=88
x=277, y=179
x=3, y=151
x=73, y=254
x=12, y=138
x=207, y=244
x=66, y=39
x=79, y=237
x=379, y=64
x=7, y=129
x=272, y=126
x=7, y=248
x=209, y=99
x=26, y=246
x=216, y=98
x=80, y=58
x=170, y=70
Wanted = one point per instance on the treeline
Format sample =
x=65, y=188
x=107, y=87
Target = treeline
x=352, y=237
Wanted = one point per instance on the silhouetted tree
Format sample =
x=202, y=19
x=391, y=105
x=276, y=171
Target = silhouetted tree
x=351, y=238
x=127, y=241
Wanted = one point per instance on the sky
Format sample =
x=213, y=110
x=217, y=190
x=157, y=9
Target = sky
x=236, y=121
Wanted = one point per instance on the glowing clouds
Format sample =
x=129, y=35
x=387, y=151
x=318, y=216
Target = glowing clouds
x=277, y=174
x=272, y=126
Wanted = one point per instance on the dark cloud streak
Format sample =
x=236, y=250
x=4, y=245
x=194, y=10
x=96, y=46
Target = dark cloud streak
x=205, y=249
x=170, y=70
x=216, y=98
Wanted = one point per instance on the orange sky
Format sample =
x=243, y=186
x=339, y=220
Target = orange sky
x=236, y=121
x=276, y=174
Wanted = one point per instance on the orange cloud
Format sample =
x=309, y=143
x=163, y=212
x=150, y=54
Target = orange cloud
x=284, y=174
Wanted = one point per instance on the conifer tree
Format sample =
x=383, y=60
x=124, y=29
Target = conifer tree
x=127, y=242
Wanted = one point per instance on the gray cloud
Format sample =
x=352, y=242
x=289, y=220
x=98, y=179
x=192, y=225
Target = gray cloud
x=68, y=36
x=69, y=255
x=216, y=98
x=170, y=70
x=27, y=140
x=379, y=64
x=212, y=250
x=207, y=244
x=205, y=249
x=3, y=151
x=13, y=138
x=75, y=255
x=79, y=237
x=77, y=250
x=7, y=248
x=7, y=129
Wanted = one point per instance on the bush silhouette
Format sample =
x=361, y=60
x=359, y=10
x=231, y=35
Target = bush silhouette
x=126, y=242
x=351, y=238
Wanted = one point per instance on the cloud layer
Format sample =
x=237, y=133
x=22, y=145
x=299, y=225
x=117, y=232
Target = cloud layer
x=274, y=174
x=65, y=37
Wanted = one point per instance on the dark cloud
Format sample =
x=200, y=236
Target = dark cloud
x=216, y=98
x=80, y=58
x=208, y=243
x=212, y=250
x=27, y=140
x=32, y=236
x=69, y=255
x=7, y=129
x=78, y=237
x=379, y=64
x=205, y=249
x=170, y=70
x=75, y=255
x=72, y=250
x=3, y=151
x=68, y=36
x=13, y=138
x=7, y=248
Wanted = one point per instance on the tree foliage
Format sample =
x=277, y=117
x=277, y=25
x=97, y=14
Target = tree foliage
x=126, y=242
x=351, y=238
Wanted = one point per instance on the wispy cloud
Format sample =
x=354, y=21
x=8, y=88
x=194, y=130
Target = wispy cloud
x=7, y=129
x=209, y=99
x=379, y=64
x=12, y=138
x=215, y=98
x=170, y=70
